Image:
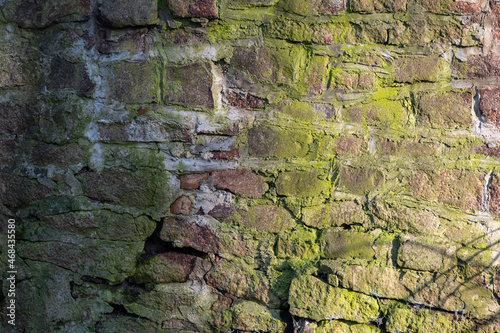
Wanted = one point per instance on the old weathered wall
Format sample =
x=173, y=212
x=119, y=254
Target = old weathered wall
x=251, y=165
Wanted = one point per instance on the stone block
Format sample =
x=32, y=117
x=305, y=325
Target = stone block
x=41, y=14
x=188, y=234
x=450, y=110
x=309, y=183
x=314, y=299
x=136, y=82
x=165, y=268
x=494, y=192
x=141, y=189
x=489, y=105
x=338, y=243
x=412, y=70
x=65, y=75
x=451, y=6
x=142, y=130
x=461, y=189
x=360, y=180
x=124, y=13
x=479, y=66
x=377, y=6
x=194, y=8
x=407, y=320
x=19, y=191
x=242, y=280
x=240, y=181
x=253, y=317
x=427, y=255
x=63, y=156
x=182, y=205
x=270, y=141
x=243, y=100
x=189, y=85
x=264, y=217
x=338, y=213
x=192, y=181
x=349, y=145
x=115, y=41
x=315, y=8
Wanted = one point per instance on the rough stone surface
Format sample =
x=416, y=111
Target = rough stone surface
x=250, y=165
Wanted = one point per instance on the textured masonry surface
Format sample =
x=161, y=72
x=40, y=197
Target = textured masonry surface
x=251, y=165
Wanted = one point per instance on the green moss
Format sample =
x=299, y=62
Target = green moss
x=338, y=243
x=301, y=111
x=422, y=321
x=273, y=141
x=300, y=243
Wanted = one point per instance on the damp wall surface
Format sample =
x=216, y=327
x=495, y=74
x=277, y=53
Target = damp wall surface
x=251, y=165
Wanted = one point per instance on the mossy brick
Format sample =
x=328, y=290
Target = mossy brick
x=253, y=317
x=478, y=66
x=116, y=41
x=135, y=82
x=63, y=156
x=41, y=14
x=408, y=320
x=184, y=233
x=480, y=302
x=110, y=260
x=264, y=217
x=141, y=130
x=125, y=324
x=338, y=243
x=141, y=189
x=424, y=254
x=337, y=213
x=367, y=279
x=18, y=121
x=302, y=111
x=415, y=69
x=479, y=258
x=336, y=326
x=316, y=74
x=450, y=6
x=251, y=3
x=494, y=193
x=489, y=105
x=377, y=6
x=18, y=69
x=307, y=183
x=349, y=145
x=255, y=60
x=360, y=180
x=449, y=110
x=386, y=113
x=125, y=13
x=17, y=191
x=97, y=224
x=194, y=8
x=165, y=268
x=398, y=217
x=273, y=141
x=314, y=8
x=242, y=280
x=189, y=85
x=299, y=243
x=458, y=188
x=314, y=299
x=175, y=304
x=240, y=181
x=65, y=75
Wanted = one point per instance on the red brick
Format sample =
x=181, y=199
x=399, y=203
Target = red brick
x=181, y=206
x=192, y=181
x=193, y=8
x=240, y=181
